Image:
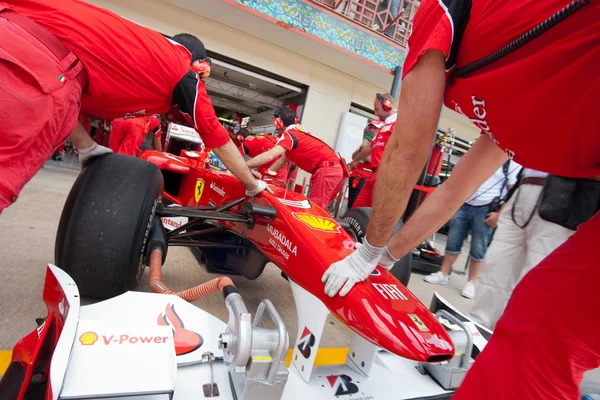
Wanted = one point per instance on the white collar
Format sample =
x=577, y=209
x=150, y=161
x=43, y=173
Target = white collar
x=290, y=127
x=391, y=118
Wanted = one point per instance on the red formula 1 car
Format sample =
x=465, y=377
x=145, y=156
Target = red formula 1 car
x=109, y=233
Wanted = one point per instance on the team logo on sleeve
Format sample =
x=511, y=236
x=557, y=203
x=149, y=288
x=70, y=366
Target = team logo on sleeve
x=300, y=128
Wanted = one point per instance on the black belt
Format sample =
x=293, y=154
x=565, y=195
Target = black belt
x=533, y=180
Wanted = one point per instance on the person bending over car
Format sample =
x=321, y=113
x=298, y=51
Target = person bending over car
x=538, y=105
x=254, y=145
x=128, y=134
x=309, y=153
x=62, y=57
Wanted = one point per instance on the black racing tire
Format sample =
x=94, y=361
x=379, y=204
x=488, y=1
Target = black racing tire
x=104, y=227
x=358, y=219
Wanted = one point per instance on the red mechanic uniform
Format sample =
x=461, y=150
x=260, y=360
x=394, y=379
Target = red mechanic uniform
x=378, y=144
x=79, y=57
x=252, y=146
x=540, y=105
x=316, y=157
x=127, y=134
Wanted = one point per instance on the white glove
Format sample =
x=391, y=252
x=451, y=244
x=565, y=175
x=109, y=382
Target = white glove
x=387, y=260
x=352, y=269
x=95, y=150
x=262, y=185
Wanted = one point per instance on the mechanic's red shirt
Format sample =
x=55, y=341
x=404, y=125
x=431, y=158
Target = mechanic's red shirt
x=132, y=70
x=380, y=141
x=253, y=146
x=304, y=149
x=539, y=103
x=153, y=125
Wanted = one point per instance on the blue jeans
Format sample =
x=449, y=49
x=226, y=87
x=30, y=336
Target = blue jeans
x=470, y=218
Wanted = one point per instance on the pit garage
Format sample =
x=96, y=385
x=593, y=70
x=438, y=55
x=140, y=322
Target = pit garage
x=246, y=97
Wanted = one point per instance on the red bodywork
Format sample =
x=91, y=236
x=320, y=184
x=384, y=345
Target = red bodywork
x=34, y=352
x=303, y=241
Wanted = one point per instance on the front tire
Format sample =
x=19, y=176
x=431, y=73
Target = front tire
x=104, y=227
x=358, y=219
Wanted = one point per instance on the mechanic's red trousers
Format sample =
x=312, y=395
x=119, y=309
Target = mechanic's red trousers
x=39, y=102
x=549, y=334
x=127, y=135
x=365, y=197
x=325, y=184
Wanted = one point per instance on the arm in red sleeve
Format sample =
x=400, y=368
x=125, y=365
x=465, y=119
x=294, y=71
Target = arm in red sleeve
x=438, y=25
x=194, y=104
x=287, y=140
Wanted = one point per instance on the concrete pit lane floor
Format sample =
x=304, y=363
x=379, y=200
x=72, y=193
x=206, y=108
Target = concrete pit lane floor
x=27, y=233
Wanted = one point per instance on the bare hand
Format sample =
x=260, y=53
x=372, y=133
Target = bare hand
x=492, y=219
x=256, y=174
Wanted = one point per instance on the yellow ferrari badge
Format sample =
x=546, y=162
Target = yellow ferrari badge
x=300, y=128
x=319, y=223
x=422, y=327
x=199, y=189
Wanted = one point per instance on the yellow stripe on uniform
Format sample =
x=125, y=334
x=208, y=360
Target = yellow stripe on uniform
x=325, y=356
x=5, y=356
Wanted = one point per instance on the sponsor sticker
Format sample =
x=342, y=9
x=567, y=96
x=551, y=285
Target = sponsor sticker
x=281, y=243
x=420, y=325
x=389, y=291
x=199, y=190
x=172, y=223
x=296, y=203
x=186, y=341
x=306, y=342
x=343, y=385
x=217, y=189
x=88, y=338
x=318, y=223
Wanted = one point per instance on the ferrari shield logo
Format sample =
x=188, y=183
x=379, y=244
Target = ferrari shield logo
x=318, y=223
x=199, y=189
x=422, y=327
x=300, y=128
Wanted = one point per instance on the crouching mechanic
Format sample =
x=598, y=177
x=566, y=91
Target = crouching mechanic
x=252, y=146
x=384, y=109
x=309, y=153
x=60, y=57
x=546, y=339
x=128, y=134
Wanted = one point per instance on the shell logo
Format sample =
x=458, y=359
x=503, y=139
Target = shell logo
x=318, y=223
x=88, y=338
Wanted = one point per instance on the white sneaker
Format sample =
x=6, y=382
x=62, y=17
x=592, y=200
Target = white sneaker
x=468, y=290
x=437, y=277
